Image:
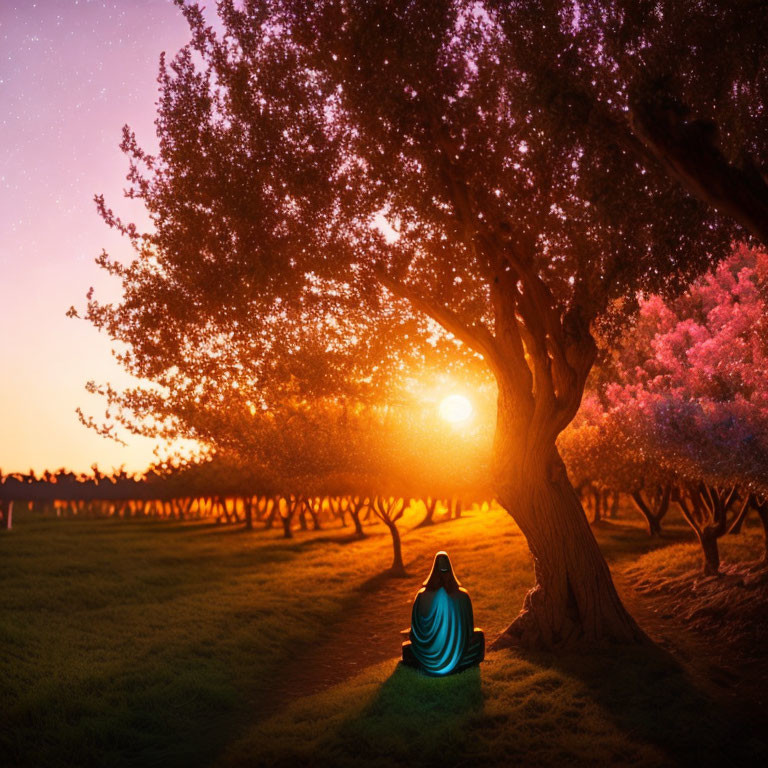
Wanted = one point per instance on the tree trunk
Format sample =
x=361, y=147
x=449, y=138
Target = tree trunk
x=397, y=569
x=355, y=515
x=272, y=513
x=356, y=505
x=613, y=509
x=430, y=504
x=315, y=508
x=653, y=517
x=292, y=505
x=709, y=546
x=706, y=509
x=248, y=507
x=597, y=512
x=574, y=600
x=762, y=511
x=338, y=505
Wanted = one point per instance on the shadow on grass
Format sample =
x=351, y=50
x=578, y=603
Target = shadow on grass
x=622, y=541
x=652, y=699
x=408, y=692
x=413, y=714
x=340, y=538
x=380, y=581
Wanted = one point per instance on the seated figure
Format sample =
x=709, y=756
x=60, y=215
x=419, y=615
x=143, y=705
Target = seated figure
x=442, y=638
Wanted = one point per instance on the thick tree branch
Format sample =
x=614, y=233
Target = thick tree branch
x=686, y=149
x=504, y=298
x=689, y=512
x=562, y=350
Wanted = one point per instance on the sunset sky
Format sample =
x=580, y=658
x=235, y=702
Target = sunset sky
x=72, y=72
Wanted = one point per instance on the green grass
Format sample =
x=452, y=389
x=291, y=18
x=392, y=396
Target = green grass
x=139, y=642
x=126, y=643
x=685, y=558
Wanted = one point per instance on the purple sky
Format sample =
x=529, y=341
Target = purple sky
x=72, y=72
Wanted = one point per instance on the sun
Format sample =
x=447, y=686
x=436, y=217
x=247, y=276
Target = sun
x=455, y=408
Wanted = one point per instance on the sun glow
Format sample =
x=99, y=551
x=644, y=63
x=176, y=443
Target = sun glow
x=455, y=408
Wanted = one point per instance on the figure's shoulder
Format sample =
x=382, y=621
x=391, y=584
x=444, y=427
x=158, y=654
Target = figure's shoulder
x=423, y=600
x=420, y=593
x=463, y=592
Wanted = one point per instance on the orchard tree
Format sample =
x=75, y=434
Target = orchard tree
x=591, y=457
x=346, y=189
x=692, y=391
x=607, y=450
x=695, y=366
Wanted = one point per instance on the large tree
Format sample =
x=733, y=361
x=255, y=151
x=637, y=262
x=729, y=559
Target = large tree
x=336, y=182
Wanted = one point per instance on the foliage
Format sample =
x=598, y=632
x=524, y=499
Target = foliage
x=681, y=87
x=684, y=397
x=691, y=386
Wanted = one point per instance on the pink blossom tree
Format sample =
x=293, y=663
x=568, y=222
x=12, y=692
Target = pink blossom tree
x=691, y=389
x=605, y=459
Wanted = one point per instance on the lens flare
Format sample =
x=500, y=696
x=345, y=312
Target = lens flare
x=455, y=408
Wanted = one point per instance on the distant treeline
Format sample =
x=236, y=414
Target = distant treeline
x=67, y=486
x=225, y=494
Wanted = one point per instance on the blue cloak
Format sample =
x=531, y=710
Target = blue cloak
x=443, y=637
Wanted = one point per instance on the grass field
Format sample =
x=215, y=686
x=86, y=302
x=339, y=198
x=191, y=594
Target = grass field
x=130, y=643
